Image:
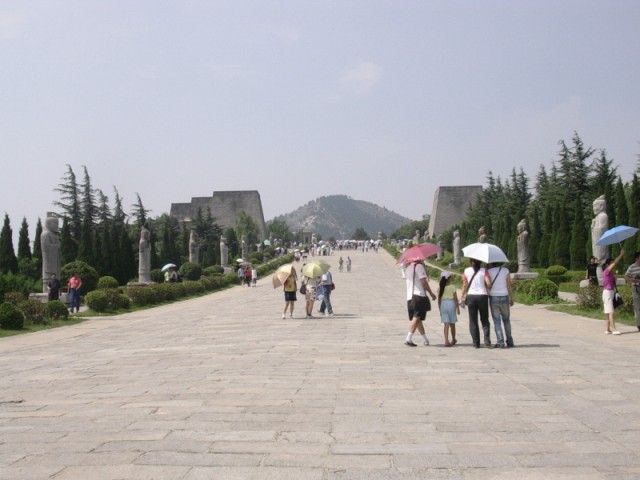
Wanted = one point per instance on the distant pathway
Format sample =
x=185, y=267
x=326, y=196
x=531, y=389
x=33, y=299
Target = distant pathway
x=220, y=387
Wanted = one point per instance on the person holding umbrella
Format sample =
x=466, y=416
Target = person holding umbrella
x=608, y=292
x=475, y=288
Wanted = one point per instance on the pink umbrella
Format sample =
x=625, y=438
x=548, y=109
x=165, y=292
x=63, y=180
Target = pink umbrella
x=419, y=252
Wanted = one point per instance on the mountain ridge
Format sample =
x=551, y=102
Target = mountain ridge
x=338, y=216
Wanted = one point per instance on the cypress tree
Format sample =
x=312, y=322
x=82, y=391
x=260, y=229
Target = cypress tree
x=622, y=212
x=70, y=205
x=631, y=245
x=184, y=243
x=169, y=248
x=37, y=248
x=24, y=247
x=8, y=260
x=67, y=245
x=547, y=235
x=232, y=242
x=562, y=239
x=578, y=252
x=535, y=235
x=129, y=265
x=86, y=244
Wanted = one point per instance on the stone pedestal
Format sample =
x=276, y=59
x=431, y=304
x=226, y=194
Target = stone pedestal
x=44, y=298
x=585, y=283
x=524, y=276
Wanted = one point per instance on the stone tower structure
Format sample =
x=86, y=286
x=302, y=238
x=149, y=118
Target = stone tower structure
x=225, y=207
x=450, y=206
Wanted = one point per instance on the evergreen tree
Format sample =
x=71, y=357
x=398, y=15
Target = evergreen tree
x=169, y=247
x=103, y=245
x=547, y=235
x=37, y=247
x=139, y=212
x=232, y=243
x=184, y=242
x=246, y=226
x=631, y=245
x=578, y=252
x=71, y=208
x=128, y=265
x=24, y=247
x=562, y=237
x=603, y=181
x=622, y=212
x=89, y=211
x=535, y=234
x=8, y=260
x=67, y=245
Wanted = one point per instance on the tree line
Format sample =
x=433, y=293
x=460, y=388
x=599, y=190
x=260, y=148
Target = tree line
x=558, y=209
x=100, y=233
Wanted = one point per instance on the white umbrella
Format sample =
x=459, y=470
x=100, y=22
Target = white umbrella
x=485, y=252
x=167, y=267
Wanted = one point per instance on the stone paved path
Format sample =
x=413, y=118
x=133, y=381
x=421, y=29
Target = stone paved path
x=221, y=388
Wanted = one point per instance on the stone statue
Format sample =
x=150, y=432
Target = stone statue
x=50, y=245
x=523, y=247
x=416, y=238
x=439, y=255
x=144, y=257
x=380, y=236
x=425, y=237
x=599, y=225
x=224, y=252
x=482, y=235
x=456, y=247
x=243, y=243
x=194, y=247
x=314, y=239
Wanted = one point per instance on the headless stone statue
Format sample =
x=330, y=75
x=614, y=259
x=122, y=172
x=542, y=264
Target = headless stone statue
x=50, y=245
x=224, y=252
x=439, y=254
x=144, y=259
x=194, y=247
x=482, y=235
x=599, y=225
x=523, y=247
x=243, y=244
x=456, y=247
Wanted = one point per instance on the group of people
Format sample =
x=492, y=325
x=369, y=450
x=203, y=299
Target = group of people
x=313, y=289
x=483, y=289
x=247, y=275
x=341, y=264
x=74, y=284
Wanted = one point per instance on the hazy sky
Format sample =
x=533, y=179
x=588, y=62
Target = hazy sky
x=380, y=100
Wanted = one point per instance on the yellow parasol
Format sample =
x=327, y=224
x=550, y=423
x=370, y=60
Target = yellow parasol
x=281, y=274
x=315, y=269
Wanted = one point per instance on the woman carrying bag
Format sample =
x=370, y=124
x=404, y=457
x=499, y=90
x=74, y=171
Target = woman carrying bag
x=609, y=292
x=475, y=294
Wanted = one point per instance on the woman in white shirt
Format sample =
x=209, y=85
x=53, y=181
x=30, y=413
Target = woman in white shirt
x=475, y=288
x=500, y=301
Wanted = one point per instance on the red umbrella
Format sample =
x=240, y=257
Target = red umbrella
x=419, y=252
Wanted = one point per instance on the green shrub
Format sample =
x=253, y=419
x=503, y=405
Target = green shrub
x=512, y=266
x=558, y=279
x=97, y=301
x=10, y=282
x=192, y=287
x=627, y=296
x=589, y=298
x=29, y=267
x=190, y=271
x=157, y=276
x=522, y=286
x=14, y=298
x=555, y=270
x=140, y=295
x=86, y=272
x=107, y=282
x=56, y=310
x=10, y=317
x=34, y=311
x=542, y=288
x=213, y=270
x=256, y=258
x=164, y=291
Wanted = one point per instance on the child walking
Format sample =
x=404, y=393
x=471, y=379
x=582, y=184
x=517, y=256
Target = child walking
x=449, y=308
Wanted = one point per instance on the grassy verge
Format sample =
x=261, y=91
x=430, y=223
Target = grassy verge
x=621, y=317
x=569, y=287
x=36, y=328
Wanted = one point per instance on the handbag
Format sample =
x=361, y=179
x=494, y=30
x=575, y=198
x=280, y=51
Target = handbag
x=333, y=286
x=618, y=301
x=303, y=289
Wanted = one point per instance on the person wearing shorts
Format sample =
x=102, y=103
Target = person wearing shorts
x=418, y=303
x=290, y=288
x=608, y=291
x=449, y=308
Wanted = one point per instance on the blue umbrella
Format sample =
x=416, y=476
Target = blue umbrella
x=616, y=235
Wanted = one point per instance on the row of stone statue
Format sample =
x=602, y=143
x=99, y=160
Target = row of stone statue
x=599, y=225
x=50, y=243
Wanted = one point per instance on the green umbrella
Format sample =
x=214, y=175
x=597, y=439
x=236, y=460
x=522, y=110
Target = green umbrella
x=315, y=269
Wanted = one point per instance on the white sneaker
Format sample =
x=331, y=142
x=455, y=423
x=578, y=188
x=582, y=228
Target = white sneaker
x=616, y=332
x=326, y=314
x=290, y=316
x=607, y=332
x=426, y=343
x=283, y=316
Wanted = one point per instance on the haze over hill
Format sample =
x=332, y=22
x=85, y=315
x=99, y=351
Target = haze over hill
x=339, y=215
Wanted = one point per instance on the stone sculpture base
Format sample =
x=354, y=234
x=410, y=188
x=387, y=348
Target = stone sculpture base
x=44, y=298
x=453, y=265
x=619, y=282
x=524, y=276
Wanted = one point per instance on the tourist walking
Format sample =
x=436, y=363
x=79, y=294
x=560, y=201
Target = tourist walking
x=418, y=303
x=500, y=303
x=290, y=288
x=254, y=276
x=475, y=286
x=247, y=275
x=632, y=276
x=324, y=294
x=73, y=288
x=241, y=275
x=348, y=264
x=449, y=308
x=340, y=264
x=54, y=288
x=308, y=289
x=608, y=292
